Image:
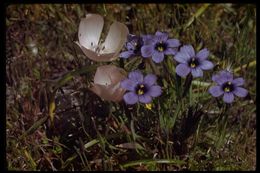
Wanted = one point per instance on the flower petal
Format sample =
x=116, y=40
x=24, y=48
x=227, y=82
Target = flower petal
x=197, y=72
x=130, y=98
x=182, y=57
x=90, y=29
x=150, y=79
x=215, y=77
x=170, y=51
x=158, y=33
x=240, y=92
x=155, y=91
x=228, y=76
x=182, y=70
x=158, y=56
x=147, y=39
x=145, y=98
x=222, y=77
x=147, y=51
x=203, y=54
x=206, y=65
x=238, y=81
x=173, y=42
x=161, y=36
x=115, y=39
x=130, y=45
x=136, y=76
x=216, y=91
x=228, y=97
x=126, y=54
x=188, y=49
x=110, y=92
x=128, y=84
x=102, y=76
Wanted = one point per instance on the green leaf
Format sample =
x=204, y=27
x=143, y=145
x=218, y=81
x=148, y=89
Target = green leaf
x=91, y=143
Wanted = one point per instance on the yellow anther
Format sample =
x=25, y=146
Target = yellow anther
x=226, y=89
x=140, y=92
x=160, y=48
x=193, y=65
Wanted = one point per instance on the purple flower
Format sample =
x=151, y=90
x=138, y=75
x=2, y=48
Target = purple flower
x=140, y=88
x=191, y=62
x=158, y=46
x=228, y=86
x=133, y=47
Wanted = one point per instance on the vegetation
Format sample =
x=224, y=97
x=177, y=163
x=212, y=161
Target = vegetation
x=48, y=76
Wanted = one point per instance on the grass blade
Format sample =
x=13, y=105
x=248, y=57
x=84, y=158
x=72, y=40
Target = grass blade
x=159, y=161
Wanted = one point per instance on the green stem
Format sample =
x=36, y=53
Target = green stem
x=176, y=113
x=223, y=127
x=153, y=67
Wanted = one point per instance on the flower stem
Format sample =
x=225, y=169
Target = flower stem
x=153, y=67
x=222, y=130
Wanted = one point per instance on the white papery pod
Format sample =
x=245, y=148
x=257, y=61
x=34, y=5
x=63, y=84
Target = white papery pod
x=107, y=83
x=90, y=29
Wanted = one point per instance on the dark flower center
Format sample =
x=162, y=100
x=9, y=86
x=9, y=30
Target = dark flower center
x=228, y=87
x=161, y=46
x=140, y=89
x=137, y=48
x=193, y=62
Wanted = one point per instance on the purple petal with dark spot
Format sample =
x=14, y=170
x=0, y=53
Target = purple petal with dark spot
x=155, y=91
x=240, y=92
x=238, y=81
x=126, y=54
x=130, y=98
x=228, y=97
x=196, y=72
x=147, y=51
x=158, y=56
x=128, y=84
x=173, y=43
x=150, y=79
x=136, y=76
x=216, y=91
x=203, y=54
x=182, y=70
x=145, y=98
x=206, y=65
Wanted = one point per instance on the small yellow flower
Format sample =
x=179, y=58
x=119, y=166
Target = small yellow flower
x=148, y=106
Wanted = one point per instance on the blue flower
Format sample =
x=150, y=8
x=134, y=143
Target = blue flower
x=228, y=86
x=133, y=47
x=140, y=88
x=158, y=46
x=191, y=62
